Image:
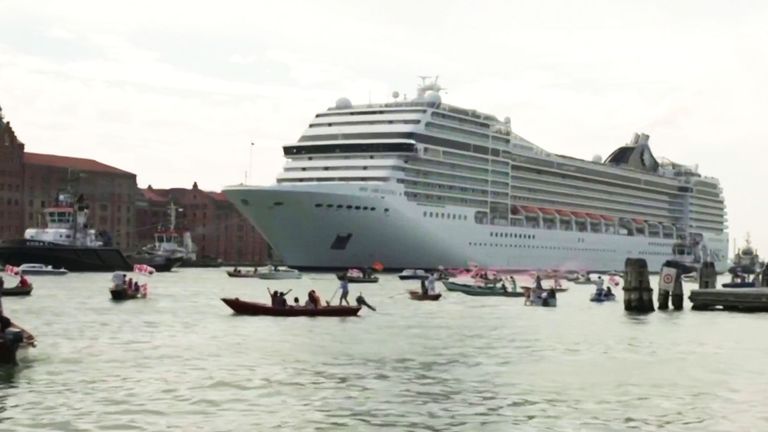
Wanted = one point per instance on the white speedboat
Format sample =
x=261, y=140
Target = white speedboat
x=411, y=274
x=41, y=270
x=274, y=273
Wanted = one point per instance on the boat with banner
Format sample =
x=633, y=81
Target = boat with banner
x=124, y=288
x=66, y=242
x=243, y=307
x=23, y=287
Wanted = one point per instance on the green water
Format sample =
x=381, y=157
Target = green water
x=180, y=361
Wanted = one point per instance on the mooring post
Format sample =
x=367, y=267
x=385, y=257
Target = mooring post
x=707, y=275
x=671, y=284
x=638, y=294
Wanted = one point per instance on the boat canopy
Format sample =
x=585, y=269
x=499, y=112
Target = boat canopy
x=564, y=213
x=530, y=210
x=594, y=217
x=608, y=218
x=578, y=215
x=638, y=221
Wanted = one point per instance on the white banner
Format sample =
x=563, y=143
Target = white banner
x=667, y=278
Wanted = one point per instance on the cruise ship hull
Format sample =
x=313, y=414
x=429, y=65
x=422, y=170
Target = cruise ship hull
x=355, y=225
x=72, y=258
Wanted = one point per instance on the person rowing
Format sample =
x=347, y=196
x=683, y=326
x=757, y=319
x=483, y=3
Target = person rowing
x=599, y=291
x=431, y=288
x=14, y=334
x=344, y=287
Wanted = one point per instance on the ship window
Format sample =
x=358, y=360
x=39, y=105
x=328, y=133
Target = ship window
x=365, y=207
x=386, y=210
x=244, y=202
x=357, y=207
x=349, y=207
x=329, y=205
x=318, y=205
x=339, y=206
x=373, y=208
x=276, y=204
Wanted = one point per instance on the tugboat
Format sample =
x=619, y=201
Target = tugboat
x=746, y=260
x=165, y=253
x=66, y=242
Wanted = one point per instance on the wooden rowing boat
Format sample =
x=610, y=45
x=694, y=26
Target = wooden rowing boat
x=234, y=274
x=480, y=291
x=17, y=291
x=417, y=295
x=125, y=294
x=255, y=308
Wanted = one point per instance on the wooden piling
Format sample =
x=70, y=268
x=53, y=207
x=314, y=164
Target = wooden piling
x=707, y=275
x=638, y=294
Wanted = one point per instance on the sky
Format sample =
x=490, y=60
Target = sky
x=176, y=91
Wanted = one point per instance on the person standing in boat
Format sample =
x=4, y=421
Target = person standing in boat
x=431, y=289
x=538, y=282
x=599, y=291
x=344, y=287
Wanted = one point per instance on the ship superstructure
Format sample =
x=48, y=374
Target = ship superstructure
x=421, y=183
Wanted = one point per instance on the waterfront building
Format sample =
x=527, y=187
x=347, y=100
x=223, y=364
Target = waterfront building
x=11, y=180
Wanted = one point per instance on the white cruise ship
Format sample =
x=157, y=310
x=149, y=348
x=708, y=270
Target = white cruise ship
x=419, y=183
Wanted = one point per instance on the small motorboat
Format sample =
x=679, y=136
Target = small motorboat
x=243, y=307
x=482, y=290
x=542, y=302
x=23, y=288
x=277, y=273
x=357, y=276
x=417, y=295
x=236, y=273
x=17, y=291
x=411, y=274
x=121, y=290
x=126, y=294
x=603, y=298
x=41, y=270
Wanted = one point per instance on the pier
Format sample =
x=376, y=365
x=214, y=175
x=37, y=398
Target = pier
x=737, y=299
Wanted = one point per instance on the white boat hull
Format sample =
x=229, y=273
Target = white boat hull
x=302, y=222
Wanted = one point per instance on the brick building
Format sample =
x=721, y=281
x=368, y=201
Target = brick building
x=11, y=181
x=217, y=228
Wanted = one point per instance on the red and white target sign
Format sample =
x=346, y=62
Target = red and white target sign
x=667, y=278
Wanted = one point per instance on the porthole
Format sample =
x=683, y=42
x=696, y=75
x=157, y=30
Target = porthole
x=349, y=207
x=357, y=207
x=365, y=207
x=339, y=206
x=318, y=205
x=329, y=205
x=277, y=203
x=373, y=208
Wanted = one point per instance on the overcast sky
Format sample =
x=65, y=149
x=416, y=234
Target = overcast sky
x=176, y=91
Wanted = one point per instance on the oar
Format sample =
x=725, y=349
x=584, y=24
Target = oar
x=395, y=295
x=333, y=296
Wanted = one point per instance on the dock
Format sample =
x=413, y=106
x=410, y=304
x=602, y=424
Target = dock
x=735, y=299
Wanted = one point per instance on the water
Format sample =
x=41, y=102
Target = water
x=181, y=361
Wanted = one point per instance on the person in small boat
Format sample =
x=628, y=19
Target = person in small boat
x=296, y=302
x=310, y=303
x=608, y=292
x=13, y=334
x=282, y=300
x=273, y=296
x=599, y=291
x=236, y=270
x=344, y=287
x=538, y=282
x=129, y=284
x=23, y=282
x=423, y=287
x=2, y=283
x=136, y=287
x=431, y=288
